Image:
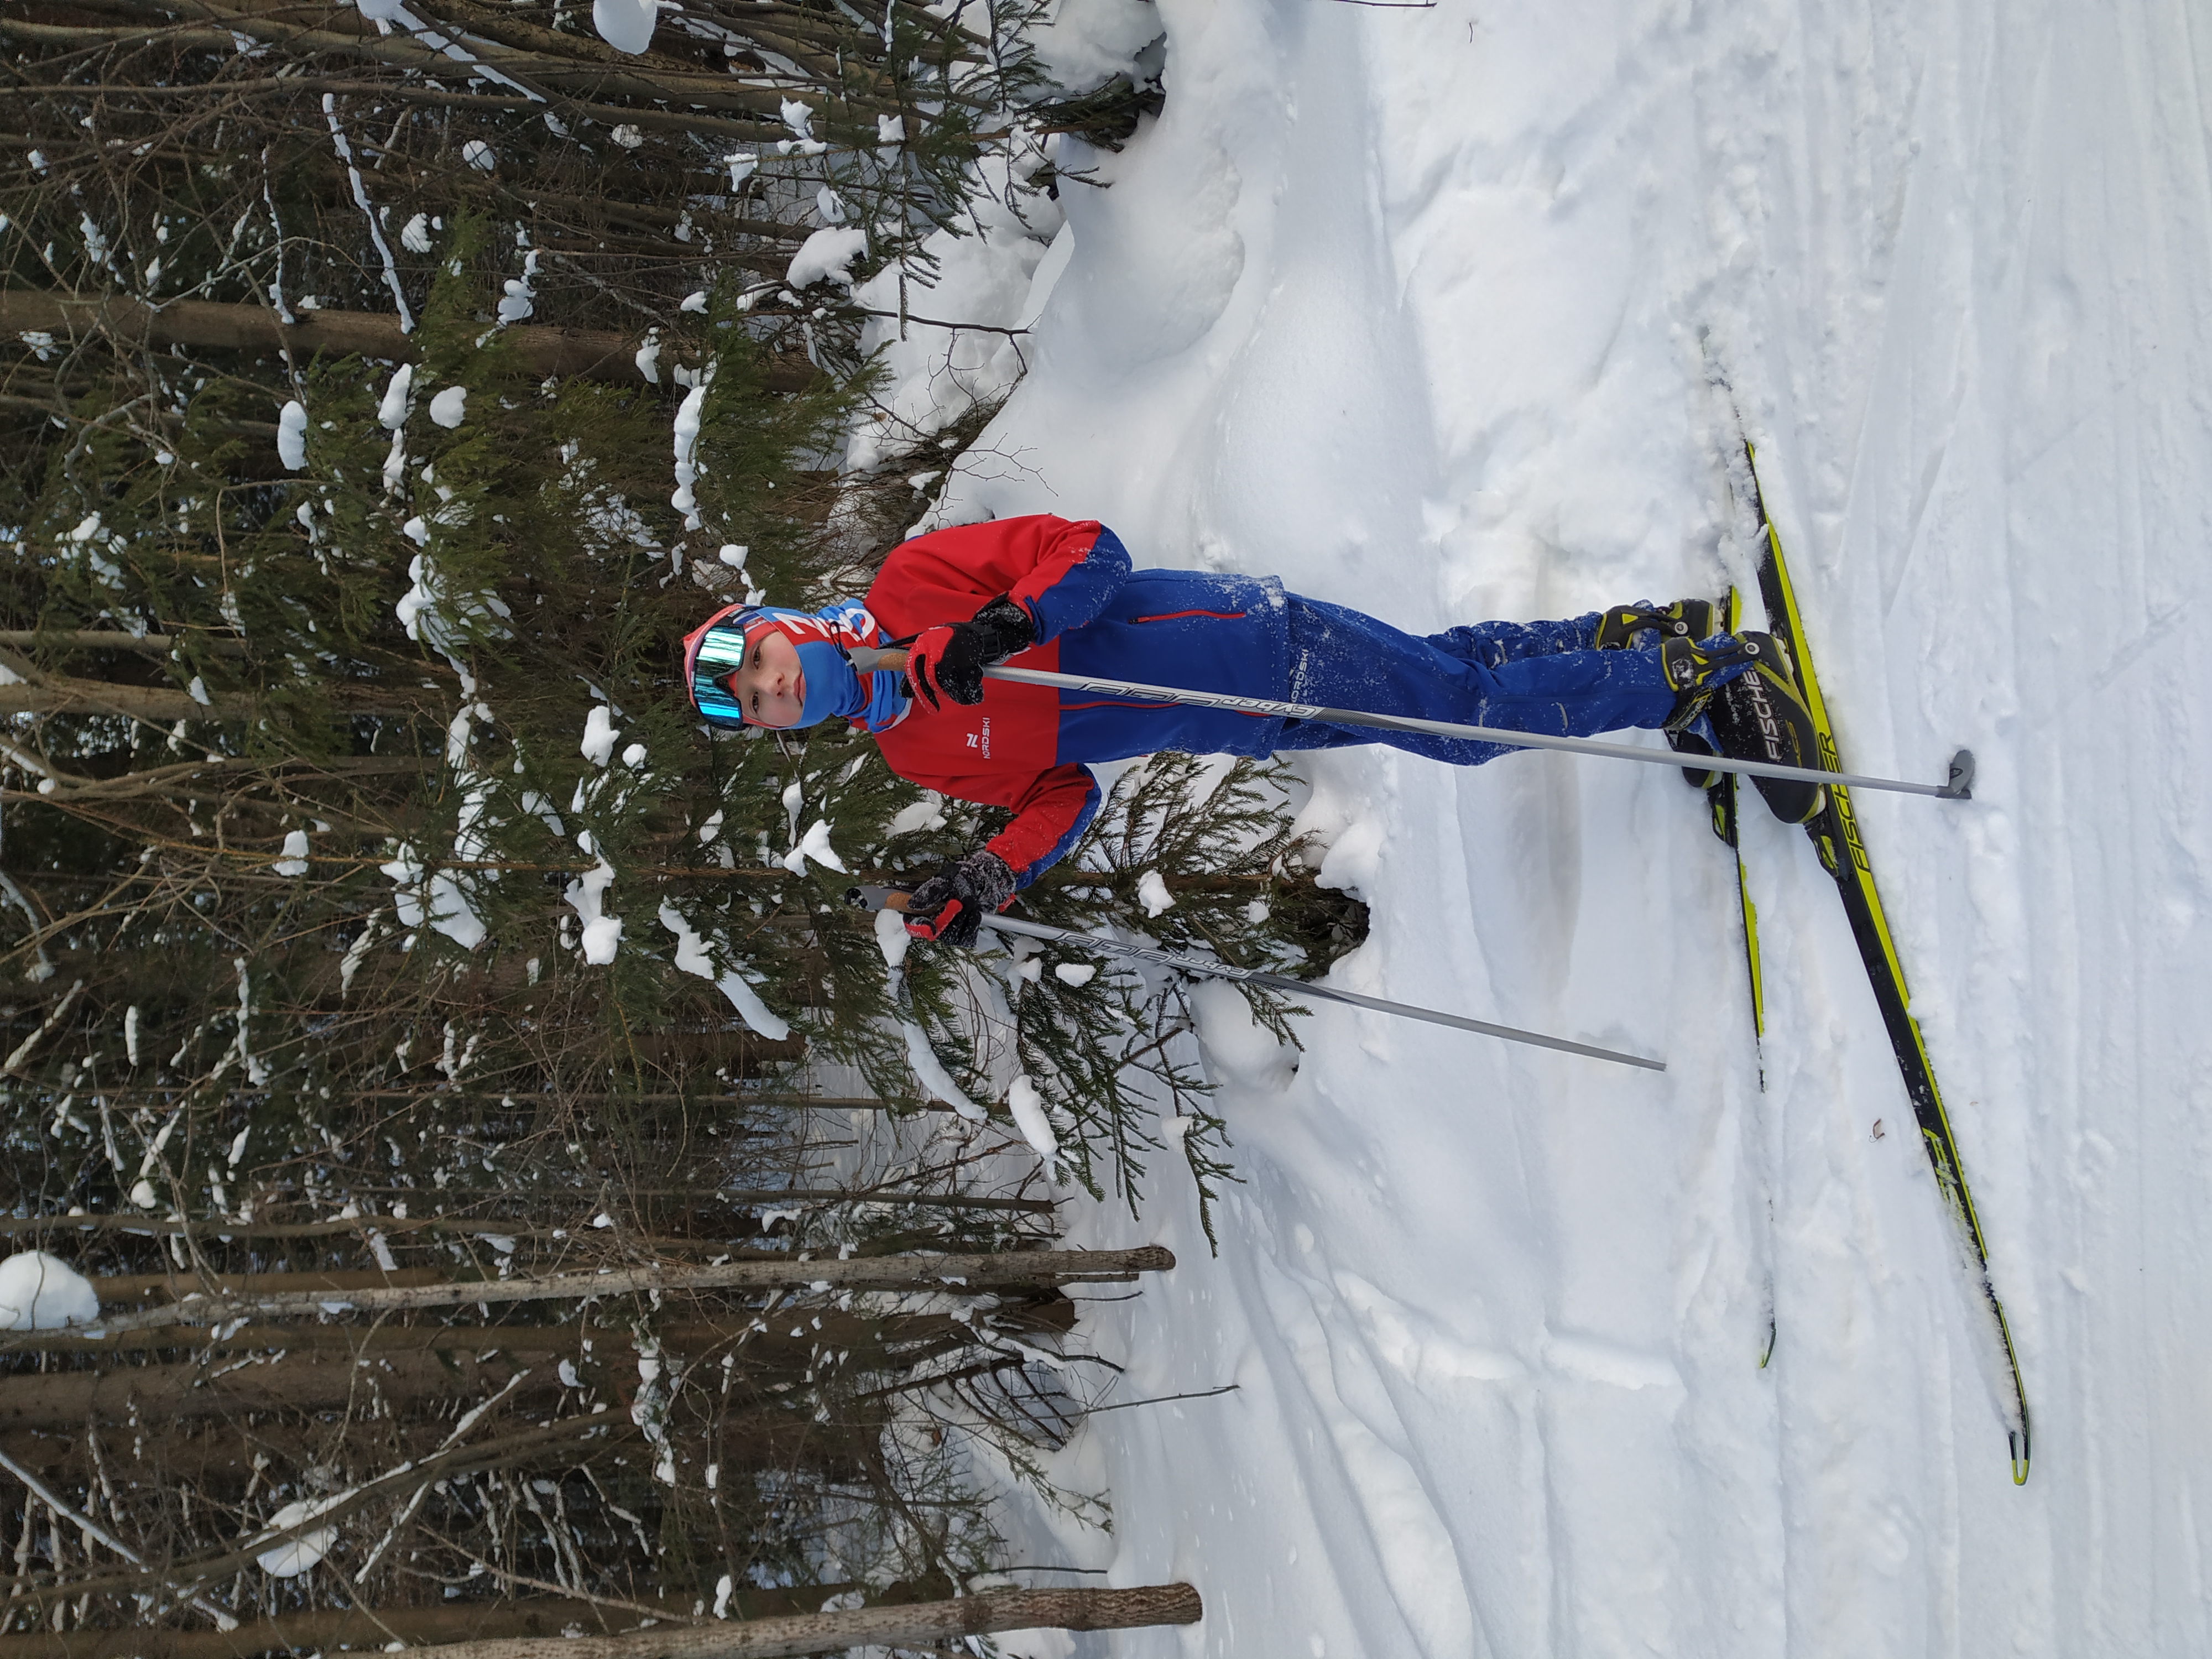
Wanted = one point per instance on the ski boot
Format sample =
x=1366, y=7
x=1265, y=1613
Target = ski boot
x=1621, y=626
x=1685, y=619
x=1755, y=713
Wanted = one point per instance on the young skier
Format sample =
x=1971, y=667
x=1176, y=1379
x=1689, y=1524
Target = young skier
x=1046, y=593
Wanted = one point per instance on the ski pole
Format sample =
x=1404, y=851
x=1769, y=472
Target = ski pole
x=1957, y=787
x=893, y=899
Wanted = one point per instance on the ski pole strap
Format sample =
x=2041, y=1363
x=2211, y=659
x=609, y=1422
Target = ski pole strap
x=892, y=898
x=1957, y=786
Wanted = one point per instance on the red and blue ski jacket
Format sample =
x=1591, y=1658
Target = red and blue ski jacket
x=1023, y=747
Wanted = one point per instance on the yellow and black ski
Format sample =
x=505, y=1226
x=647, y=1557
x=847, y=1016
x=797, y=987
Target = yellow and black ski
x=1835, y=836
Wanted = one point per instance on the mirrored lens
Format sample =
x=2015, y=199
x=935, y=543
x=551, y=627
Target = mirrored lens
x=722, y=651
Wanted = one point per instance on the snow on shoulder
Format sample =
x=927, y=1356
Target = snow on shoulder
x=40, y=1292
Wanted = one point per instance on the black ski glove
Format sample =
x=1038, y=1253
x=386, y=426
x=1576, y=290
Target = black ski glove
x=949, y=906
x=951, y=657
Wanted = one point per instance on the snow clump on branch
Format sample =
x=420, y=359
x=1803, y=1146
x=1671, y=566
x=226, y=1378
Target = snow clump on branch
x=827, y=253
x=625, y=25
x=40, y=1292
x=693, y=956
x=292, y=436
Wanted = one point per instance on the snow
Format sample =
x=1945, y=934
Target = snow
x=441, y=901
x=40, y=1292
x=1027, y=1106
x=293, y=862
x=936, y=1081
x=292, y=436
x=586, y=897
x=1153, y=893
x=1085, y=43
x=961, y=343
x=1405, y=305
x=689, y=415
x=520, y=300
x=369, y=212
x=597, y=745
x=829, y=253
x=297, y=1555
x=815, y=845
x=625, y=25
x=391, y=412
x=892, y=938
x=1239, y=1048
x=692, y=957
x=448, y=408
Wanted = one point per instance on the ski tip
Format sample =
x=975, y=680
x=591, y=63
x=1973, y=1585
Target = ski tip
x=2019, y=1440
x=1959, y=785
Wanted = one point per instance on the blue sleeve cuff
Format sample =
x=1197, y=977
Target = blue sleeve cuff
x=1083, y=591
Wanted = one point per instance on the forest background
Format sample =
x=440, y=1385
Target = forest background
x=384, y=392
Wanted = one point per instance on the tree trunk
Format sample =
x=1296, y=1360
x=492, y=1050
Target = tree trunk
x=162, y=705
x=174, y=1287
x=591, y=354
x=163, y=1395
x=924, y=1624
x=328, y=1628
x=390, y=1339
x=990, y=1272
x=108, y=639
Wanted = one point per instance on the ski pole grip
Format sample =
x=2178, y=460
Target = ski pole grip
x=878, y=898
x=868, y=660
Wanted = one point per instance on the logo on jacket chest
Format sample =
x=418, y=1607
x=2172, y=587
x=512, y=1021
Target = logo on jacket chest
x=981, y=739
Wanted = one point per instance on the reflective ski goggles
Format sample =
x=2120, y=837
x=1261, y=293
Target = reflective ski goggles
x=712, y=653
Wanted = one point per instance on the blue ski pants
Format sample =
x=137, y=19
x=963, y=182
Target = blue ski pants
x=1525, y=677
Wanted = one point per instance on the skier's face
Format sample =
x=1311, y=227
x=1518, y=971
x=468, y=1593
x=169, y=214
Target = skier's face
x=770, y=687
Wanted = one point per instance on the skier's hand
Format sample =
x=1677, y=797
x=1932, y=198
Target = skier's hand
x=951, y=657
x=949, y=906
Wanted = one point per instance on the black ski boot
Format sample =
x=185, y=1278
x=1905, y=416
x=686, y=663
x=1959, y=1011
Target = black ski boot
x=1684, y=619
x=1618, y=628
x=1757, y=715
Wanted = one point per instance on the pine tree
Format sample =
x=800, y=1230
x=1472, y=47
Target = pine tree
x=376, y=914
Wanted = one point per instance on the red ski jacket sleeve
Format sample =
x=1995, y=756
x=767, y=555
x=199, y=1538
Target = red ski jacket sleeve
x=1003, y=752
x=1060, y=571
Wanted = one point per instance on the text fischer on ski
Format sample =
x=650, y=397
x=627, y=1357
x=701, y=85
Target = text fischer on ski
x=1043, y=593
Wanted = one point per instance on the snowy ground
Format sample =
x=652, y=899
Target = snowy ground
x=1404, y=304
